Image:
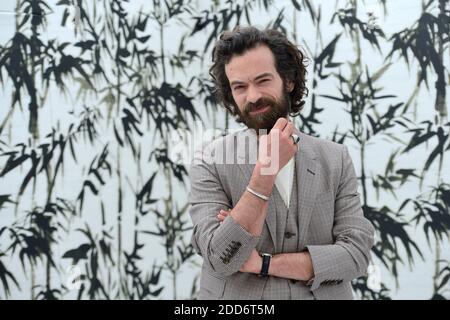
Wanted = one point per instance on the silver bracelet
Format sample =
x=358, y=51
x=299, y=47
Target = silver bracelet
x=259, y=195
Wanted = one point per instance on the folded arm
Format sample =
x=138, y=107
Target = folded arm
x=226, y=246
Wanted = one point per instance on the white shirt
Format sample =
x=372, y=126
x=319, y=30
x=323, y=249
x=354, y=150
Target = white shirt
x=284, y=180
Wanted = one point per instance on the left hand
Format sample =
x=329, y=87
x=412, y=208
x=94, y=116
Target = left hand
x=223, y=214
x=254, y=262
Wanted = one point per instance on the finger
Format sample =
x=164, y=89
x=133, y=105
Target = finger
x=280, y=124
x=289, y=129
x=225, y=213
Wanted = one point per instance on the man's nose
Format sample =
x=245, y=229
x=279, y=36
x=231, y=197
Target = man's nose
x=253, y=94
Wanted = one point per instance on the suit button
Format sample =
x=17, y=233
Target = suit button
x=289, y=235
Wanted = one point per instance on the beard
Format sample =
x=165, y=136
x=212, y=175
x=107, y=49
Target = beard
x=265, y=120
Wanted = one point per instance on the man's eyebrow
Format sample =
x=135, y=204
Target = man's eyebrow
x=236, y=82
x=262, y=75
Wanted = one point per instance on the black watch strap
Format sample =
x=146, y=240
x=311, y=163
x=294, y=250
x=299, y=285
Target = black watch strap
x=265, y=264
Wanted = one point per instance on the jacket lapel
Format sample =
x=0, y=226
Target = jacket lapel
x=307, y=184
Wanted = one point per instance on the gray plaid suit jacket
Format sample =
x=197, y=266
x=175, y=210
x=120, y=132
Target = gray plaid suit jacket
x=331, y=223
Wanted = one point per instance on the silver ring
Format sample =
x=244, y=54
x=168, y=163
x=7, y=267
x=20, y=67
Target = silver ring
x=295, y=138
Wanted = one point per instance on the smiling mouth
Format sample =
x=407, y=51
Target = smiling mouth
x=259, y=109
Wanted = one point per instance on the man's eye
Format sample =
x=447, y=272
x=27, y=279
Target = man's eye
x=264, y=81
x=238, y=87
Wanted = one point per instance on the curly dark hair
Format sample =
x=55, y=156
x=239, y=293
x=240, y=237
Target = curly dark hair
x=290, y=63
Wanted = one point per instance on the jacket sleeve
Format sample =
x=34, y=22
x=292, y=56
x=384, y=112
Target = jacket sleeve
x=353, y=235
x=224, y=247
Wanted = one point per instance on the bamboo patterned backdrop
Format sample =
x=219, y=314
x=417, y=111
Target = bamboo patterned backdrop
x=93, y=206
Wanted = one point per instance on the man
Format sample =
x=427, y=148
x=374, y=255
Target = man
x=288, y=225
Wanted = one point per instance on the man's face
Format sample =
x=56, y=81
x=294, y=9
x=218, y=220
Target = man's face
x=257, y=88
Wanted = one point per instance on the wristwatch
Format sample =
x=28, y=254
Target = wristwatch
x=265, y=264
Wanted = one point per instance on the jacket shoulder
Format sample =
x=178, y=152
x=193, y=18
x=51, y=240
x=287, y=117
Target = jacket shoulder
x=323, y=147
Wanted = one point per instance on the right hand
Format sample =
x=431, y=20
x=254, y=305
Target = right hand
x=276, y=148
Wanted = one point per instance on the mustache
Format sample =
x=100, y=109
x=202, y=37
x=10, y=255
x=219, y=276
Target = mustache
x=264, y=101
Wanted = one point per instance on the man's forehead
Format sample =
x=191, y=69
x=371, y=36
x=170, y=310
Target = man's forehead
x=252, y=64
